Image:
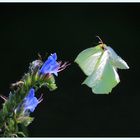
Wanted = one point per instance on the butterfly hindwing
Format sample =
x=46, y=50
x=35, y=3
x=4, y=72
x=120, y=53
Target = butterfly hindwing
x=104, y=78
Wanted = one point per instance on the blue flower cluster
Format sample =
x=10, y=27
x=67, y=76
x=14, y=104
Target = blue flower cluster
x=51, y=66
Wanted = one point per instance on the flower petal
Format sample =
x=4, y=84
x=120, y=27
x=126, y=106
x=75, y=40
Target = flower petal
x=54, y=55
x=30, y=101
x=51, y=66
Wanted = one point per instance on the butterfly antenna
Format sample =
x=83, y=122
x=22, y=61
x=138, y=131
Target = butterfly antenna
x=100, y=40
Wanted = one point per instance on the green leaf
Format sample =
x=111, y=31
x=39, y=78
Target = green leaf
x=11, y=125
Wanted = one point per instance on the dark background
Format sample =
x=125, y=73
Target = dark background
x=67, y=29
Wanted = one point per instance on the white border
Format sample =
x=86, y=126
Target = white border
x=60, y=1
x=71, y=138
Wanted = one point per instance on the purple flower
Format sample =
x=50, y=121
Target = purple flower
x=51, y=66
x=30, y=101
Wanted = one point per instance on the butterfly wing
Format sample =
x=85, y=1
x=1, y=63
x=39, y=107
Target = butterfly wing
x=104, y=78
x=88, y=58
x=117, y=61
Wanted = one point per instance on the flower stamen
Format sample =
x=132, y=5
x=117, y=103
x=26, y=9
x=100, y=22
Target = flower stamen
x=63, y=66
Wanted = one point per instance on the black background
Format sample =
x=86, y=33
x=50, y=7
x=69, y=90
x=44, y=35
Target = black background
x=67, y=29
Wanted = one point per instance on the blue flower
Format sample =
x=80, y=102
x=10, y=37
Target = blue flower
x=30, y=101
x=51, y=66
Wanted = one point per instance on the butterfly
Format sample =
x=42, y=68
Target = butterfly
x=100, y=64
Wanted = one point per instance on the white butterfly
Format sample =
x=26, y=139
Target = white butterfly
x=100, y=64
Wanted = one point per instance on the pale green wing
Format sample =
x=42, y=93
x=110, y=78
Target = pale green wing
x=117, y=61
x=88, y=58
x=104, y=78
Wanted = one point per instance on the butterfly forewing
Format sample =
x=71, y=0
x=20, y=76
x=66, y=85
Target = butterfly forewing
x=86, y=57
x=117, y=61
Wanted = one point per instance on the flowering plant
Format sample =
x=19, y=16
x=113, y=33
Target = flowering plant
x=15, y=114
